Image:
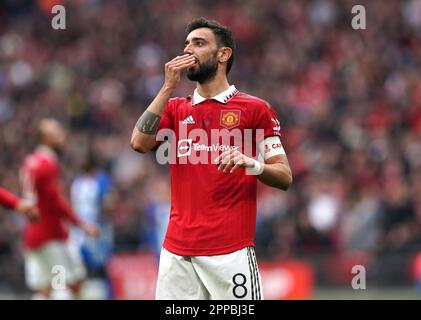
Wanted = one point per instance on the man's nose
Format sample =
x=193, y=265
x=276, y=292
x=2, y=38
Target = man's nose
x=187, y=50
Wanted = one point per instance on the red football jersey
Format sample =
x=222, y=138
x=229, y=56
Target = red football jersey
x=213, y=212
x=7, y=199
x=41, y=182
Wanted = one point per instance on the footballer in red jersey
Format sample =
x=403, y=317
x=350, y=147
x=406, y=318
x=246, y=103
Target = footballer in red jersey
x=221, y=142
x=10, y=201
x=45, y=241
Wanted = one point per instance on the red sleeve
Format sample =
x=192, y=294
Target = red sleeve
x=267, y=120
x=7, y=199
x=167, y=119
x=48, y=185
x=63, y=207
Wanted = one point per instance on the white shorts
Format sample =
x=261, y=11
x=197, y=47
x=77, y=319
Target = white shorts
x=230, y=276
x=49, y=261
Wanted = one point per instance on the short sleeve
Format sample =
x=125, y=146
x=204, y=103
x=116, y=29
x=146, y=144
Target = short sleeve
x=167, y=119
x=267, y=120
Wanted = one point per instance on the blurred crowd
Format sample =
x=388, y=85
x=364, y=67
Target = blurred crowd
x=349, y=102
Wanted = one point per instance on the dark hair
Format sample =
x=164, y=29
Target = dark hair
x=222, y=33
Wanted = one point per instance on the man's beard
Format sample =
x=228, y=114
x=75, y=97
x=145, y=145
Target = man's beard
x=205, y=71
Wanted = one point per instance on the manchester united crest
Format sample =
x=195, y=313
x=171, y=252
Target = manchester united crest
x=230, y=118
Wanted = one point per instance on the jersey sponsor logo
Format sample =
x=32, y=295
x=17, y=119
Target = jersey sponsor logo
x=230, y=118
x=213, y=147
x=184, y=147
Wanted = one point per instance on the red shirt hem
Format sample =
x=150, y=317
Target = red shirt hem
x=207, y=251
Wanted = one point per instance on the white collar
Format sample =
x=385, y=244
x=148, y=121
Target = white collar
x=223, y=97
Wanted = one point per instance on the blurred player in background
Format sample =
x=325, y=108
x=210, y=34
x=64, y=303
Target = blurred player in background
x=91, y=198
x=158, y=207
x=11, y=201
x=208, y=251
x=45, y=242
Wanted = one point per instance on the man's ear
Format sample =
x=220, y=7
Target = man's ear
x=224, y=54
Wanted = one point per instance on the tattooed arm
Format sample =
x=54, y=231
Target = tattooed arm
x=144, y=132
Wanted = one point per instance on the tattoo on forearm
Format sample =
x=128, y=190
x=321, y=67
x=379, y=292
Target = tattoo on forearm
x=148, y=123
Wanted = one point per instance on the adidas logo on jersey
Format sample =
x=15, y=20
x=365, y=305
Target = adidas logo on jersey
x=188, y=120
